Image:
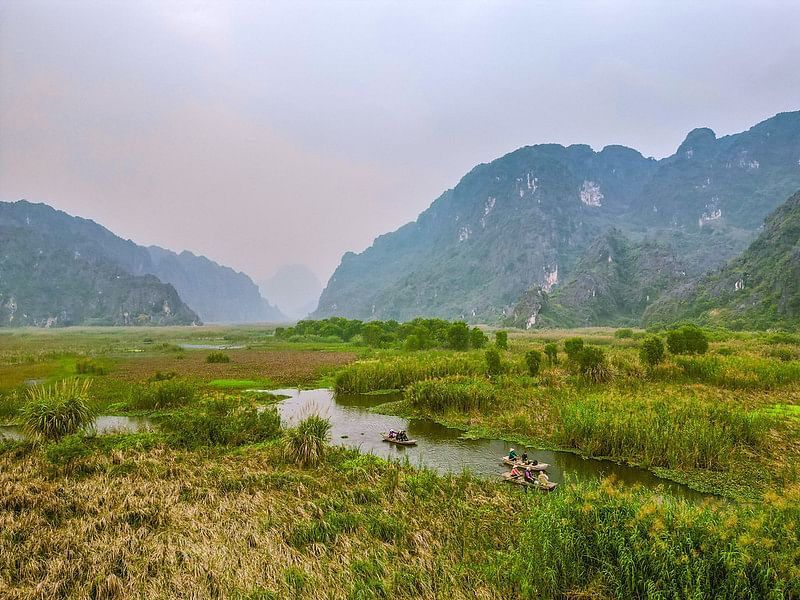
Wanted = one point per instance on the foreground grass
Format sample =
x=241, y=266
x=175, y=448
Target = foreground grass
x=136, y=517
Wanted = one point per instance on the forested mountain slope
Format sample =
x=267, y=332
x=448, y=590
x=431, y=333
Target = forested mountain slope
x=758, y=289
x=214, y=292
x=528, y=222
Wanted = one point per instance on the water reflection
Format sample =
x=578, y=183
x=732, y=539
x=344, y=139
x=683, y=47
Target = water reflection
x=442, y=448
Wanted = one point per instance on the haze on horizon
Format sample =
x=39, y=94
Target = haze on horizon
x=264, y=134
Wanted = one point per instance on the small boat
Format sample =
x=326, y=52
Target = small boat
x=386, y=438
x=523, y=465
x=547, y=487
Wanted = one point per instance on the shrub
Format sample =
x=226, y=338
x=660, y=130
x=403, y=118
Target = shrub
x=86, y=366
x=651, y=352
x=783, y=353
x=460, y=393
x=162, y=376
x=501, y=339
x=551, y=351
x=164, y=394
x=573, y=347
x=687, y=340
x=66, y=450
x=412, y=343
x=306, y=443
x=218, y=357
x=533, y=360
x=623, y=333
x=55, y=411
x=494, y=366
x=477, y=339
x=593, y=365
x=458, y=336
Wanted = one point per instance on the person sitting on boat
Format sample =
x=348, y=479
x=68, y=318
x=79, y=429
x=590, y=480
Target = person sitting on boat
x=542, y=479
x=524, y=457
x=515, y=472
x=529, y=478
x=512, y=454
x=534, y=462
x=402, y=437
x=392, y=434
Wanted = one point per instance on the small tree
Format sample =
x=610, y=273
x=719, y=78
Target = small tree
x=592, y=364
x=533, y=360
x=501, y=339
x=651, y=352
x=477, y=338
x=573, y=347
x=696, y=340
x=687, y=340
x=372, y=334
x=551, y=350
x=458, y=336
x=494, y=365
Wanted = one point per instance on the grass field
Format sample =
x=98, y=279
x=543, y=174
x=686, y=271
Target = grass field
x=211, y=505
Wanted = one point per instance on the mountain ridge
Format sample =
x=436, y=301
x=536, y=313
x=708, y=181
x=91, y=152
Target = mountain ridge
x=525, y=220
x=90, y=240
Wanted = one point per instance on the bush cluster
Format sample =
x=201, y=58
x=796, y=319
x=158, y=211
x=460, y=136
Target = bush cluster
x=419, y=334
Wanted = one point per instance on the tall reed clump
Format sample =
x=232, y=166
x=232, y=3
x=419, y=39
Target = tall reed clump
x=368, y=376
x=52, y=412
x=451, y=393
x=657, y=431
x=605, y=541
x=171, y=393
x=305, y=444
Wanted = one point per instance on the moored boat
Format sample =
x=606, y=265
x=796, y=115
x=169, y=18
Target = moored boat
x=525, y=465
x=547, y=487
x=386, y=438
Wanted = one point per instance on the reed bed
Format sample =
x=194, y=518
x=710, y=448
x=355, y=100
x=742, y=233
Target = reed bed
x=397, y=373
x=456, y=392
x=675, y=432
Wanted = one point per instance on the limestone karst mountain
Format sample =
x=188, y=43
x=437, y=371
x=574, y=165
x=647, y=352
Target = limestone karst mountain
x=531, y=223
x=58, y=269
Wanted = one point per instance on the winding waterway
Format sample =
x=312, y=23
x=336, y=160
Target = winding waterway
x=442, y=448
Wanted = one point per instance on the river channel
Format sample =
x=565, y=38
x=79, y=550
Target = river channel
x=442, y=448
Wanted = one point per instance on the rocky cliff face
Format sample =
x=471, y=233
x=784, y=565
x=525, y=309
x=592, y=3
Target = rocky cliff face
x=759, y=289
x=526, y=223
x=215, y=292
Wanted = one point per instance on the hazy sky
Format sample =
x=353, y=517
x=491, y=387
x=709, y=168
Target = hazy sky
x=264, y=133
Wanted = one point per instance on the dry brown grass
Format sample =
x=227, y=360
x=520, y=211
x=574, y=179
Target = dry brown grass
x=291, y=366
x=161, y=524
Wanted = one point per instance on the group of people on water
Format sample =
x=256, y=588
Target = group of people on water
x=398, y=436
x=524, y=469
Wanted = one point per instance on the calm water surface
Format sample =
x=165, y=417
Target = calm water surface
x=441, y=448
x=103, y=425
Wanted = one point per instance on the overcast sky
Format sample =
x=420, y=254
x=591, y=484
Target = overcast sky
x=265, y=133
